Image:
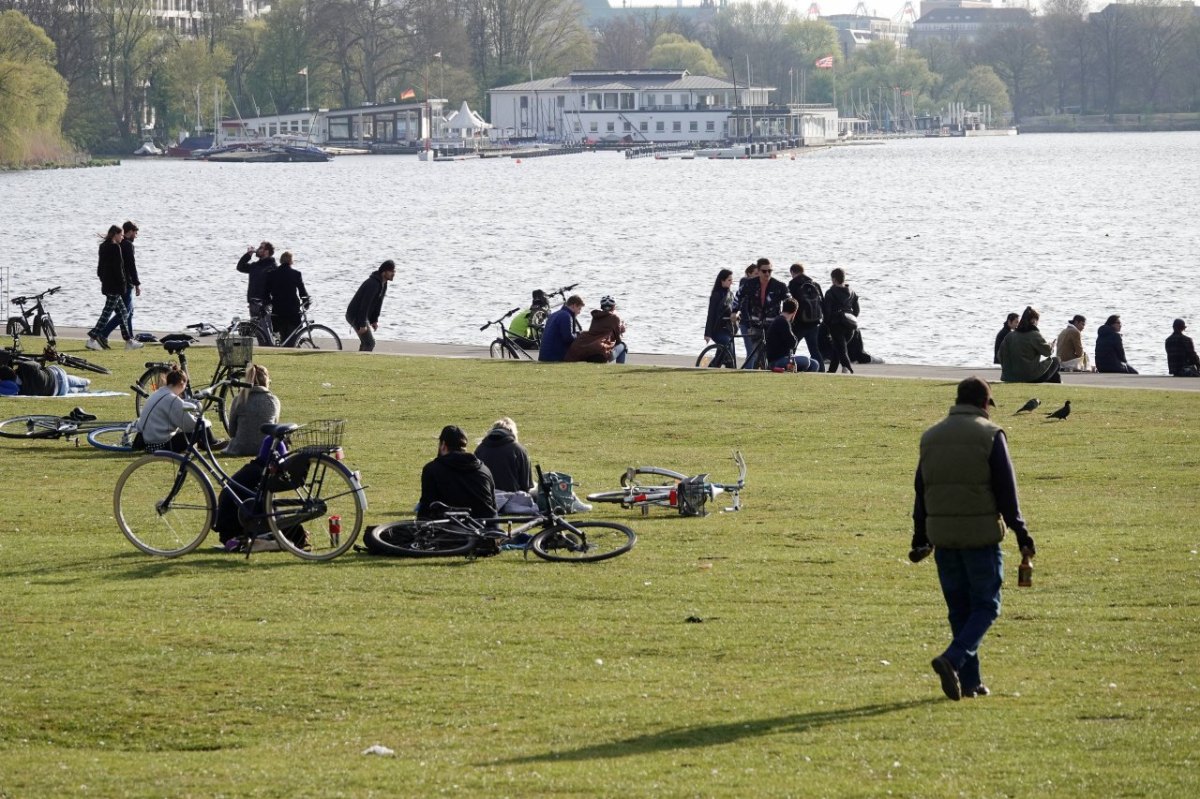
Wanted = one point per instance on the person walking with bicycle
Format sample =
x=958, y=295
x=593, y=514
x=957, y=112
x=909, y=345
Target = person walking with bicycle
x=362, y=313
x=133, y=285
x=286, y=295
x=110, y=268
x=758, y=303
x=256, y=287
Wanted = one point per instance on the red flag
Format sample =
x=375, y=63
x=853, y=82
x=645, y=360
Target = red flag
x=408, y=94
x=825, y=63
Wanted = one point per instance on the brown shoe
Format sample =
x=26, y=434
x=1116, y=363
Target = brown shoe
x=945, y=670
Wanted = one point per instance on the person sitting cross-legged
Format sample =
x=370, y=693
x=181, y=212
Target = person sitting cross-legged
x=781, y=342
x=456, y=479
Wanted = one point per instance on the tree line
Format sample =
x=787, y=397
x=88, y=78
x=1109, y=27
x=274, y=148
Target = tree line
x=124, y=73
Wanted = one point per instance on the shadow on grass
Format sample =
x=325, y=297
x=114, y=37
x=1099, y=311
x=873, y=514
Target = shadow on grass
x=715, y=735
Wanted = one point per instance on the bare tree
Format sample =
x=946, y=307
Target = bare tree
x=1156, y=39
x=1066, y=37
x=1108, y=32
x=621, y=43
x=510, y=35
x=129, y=46
x=1018, y=58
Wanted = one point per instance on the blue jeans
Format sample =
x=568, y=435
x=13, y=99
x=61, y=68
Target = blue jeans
x=810, y=337
x=725, y=339
x=619, y=353
x=107, y=330
x=971, y=580
x=803, y=363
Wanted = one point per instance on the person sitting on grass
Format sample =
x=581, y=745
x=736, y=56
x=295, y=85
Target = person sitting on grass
x=166, y=418
x=250, y=410
x=457, y=479
x=30, y=379
x=781, y=342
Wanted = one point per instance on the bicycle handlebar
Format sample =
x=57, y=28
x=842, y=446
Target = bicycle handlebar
x=23, y=299
x=501, y=319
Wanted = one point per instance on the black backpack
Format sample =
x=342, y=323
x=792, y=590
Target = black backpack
x=809, y=302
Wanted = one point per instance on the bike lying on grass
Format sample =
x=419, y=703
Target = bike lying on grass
x=165, y=503
x=670, y=489
x=459, y=534
x=42, y=426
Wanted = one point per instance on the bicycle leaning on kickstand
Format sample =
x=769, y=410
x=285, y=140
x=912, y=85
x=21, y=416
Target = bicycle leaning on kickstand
x=233, y=354
x=505, y=345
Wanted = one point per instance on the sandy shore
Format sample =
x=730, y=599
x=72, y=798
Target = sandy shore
x=893, y=371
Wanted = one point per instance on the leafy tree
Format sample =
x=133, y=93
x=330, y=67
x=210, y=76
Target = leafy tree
x=809, y=41
x=275, y=84
x=129, y=45
x=188, y=72
x=33, y=96
x=673, y=51
x=981, y=86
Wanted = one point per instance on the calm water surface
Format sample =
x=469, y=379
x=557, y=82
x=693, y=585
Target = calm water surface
x=940, y=238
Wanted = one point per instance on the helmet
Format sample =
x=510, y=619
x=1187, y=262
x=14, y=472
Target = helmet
x=607, y=303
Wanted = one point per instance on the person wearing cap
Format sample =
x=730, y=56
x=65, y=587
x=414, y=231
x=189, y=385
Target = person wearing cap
x=560, y=331
x=133, y=284
x=1110, y=348
x=601, y=342
x=966, y=494
x=1181, y=352
x=457, y=479
x=1069, y=345
x=362, y=313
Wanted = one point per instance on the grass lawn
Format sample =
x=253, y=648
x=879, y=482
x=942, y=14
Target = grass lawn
x=126, y=675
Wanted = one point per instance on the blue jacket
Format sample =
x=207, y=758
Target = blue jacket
x=558, y=335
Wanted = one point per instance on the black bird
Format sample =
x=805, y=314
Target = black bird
x=1029, y=406
x=1061, y=413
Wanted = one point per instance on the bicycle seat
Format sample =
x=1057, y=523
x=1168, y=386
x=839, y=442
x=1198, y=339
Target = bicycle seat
x=176, y=343
x=19, y=300
x=278, y=430
x=78, y=414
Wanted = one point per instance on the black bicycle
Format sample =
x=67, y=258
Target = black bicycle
x=505, y=345
x=234, y=353
x=35, y=320
x=43, y=426
x=717, y=355
x=308, y=335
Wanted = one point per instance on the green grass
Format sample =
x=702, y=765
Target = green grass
x=122, y=674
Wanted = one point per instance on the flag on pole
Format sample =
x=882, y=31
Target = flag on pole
x=407, y=94
x=825, y=63
x=303, y=72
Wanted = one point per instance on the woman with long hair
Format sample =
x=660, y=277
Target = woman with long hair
x=1022, y=352
x=111, y=271
x=719, y=324
x=250, y=410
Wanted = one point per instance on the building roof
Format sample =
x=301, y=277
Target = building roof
x=977, y=16
x=628, y=80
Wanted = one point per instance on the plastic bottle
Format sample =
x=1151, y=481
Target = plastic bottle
x=1025, y=572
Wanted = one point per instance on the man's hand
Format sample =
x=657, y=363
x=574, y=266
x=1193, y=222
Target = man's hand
x=1026, y=544
x=918, y=554
x=374, y=325
x=137, y=290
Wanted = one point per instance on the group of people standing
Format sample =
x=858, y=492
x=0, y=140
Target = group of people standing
x=784, y=314
x=1025, y=356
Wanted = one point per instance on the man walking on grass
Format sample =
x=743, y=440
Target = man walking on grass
x=966, y=493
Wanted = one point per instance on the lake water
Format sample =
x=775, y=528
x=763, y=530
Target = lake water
x=940, y=238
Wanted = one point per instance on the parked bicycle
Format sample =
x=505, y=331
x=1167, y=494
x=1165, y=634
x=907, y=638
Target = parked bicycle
x=233, y=354
x=70, y=426
x=458, y=534
x=717, y=355
x=35, y=320
x=311, y=503
x=672, y=489
x=505, y=345
x=308, y=335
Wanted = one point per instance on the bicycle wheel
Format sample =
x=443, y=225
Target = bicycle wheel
x=318, y=337
x=583, y=541
x=255, y=331
x=757, y=357
x=716, y=355
x=79, y=363
x=113, y=438
x=317, y=491
x=503, y=350
x=37, y=426
x=164, y=504
x=154, y=378
x=418, y=539
x=50, y=334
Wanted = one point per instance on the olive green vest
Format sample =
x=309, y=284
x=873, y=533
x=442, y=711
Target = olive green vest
x=959, y=504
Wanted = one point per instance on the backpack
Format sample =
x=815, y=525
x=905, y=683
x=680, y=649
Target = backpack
x=562, y=492
x=810, y=303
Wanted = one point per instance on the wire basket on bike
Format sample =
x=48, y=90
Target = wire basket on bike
x=319, y=435
x=235, y=352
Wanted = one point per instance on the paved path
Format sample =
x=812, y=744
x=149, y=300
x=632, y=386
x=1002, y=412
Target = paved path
x=897, y=371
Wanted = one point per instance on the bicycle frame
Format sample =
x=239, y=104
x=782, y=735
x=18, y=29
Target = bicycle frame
x=33, y=321
x=635, y=493
x=505, y=338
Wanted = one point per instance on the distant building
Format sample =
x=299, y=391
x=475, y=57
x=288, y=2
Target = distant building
x=856, y=31
x=648, y=105
x=597, y=12
x=184, y=17
x=966, y=24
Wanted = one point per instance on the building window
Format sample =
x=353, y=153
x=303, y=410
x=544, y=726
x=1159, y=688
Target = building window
x=578, y=127
x=667, y=98
x=610, y=101
x=524, y=102
x=594, y=101
x=693, y=126
x=710, y=126
x=592, y=127
x=676, y=127
x=561, y=101
x=627, y=101
x=650, y=100
x=611, y=127
x=644, y=126
x=658, y=126
x=628, y=127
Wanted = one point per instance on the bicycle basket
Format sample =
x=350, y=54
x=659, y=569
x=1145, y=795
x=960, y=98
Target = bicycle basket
x=692, y=495
x=235, y=351
x=319, y=435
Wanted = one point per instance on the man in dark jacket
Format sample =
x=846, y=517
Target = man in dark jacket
x=966, y=493
x=505, y=458
x=809, y=310
x=781, y=341
x=256, y=287
x=457, y=479
x=363, y=311
x=1110, y=349
x=133, y=285
x=560, y=331
x=1181, y=352
x=758, y=303
x=110, y=268
x=286, y=293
